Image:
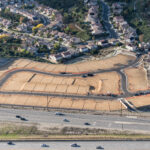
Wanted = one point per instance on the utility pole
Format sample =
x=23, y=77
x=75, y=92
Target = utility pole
x=48, y=101
x=122, y=126
x=121, y=109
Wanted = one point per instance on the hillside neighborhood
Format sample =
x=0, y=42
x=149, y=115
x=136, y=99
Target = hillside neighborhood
x=41, y=30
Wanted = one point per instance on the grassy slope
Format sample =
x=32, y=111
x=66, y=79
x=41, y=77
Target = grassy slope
x=75, y=137
x=26, y=132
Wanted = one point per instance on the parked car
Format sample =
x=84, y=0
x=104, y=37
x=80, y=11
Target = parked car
x=62, y=72
x=90, y=74
x=137, y=94
x=84, y=76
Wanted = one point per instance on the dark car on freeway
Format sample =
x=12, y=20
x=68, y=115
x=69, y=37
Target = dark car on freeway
x=23, y=119
x=59, y=114
x=87, y=124
x=99, y=147
x=75, y=145
x=10, y=143
x=66, y=120
x=44, y=145
x=17, y=116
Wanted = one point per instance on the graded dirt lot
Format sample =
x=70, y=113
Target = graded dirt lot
x=104, y=83
x=86, y=66
x=140, y=101
x=110, y=83
x=137, y=79
x=55, y=102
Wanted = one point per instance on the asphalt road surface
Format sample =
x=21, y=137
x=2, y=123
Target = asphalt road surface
x=50, y=119
x=106, y=22
x=84, y=145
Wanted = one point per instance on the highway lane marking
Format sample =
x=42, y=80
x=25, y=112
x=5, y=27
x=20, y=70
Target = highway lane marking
x=94, y=123
x=130, y=123
x=132, y=117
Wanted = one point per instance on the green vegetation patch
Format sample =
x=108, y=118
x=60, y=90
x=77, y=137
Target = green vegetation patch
x=15, y=18
x=138, y=16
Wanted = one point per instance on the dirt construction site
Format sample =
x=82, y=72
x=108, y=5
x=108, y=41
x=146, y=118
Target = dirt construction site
x=99, y=84
x=102, y=83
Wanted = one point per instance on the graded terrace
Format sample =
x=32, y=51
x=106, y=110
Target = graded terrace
x=102, y=85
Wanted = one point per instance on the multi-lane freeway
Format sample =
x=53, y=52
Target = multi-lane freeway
x=50, y=119
x=82, y=145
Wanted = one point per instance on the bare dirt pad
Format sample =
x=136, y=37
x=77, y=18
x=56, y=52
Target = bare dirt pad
x=87, y=66
x=137, y=79
x=26, y=81
x=56, y=102
x=140, y=101
x=108, y=82
x=112, y=62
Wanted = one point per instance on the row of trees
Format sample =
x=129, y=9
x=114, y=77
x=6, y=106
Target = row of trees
x=15, y=18
x=63, y=5
x=9, y=47
x=138, y=19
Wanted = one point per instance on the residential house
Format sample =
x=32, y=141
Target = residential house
x=131, y=47
x=92, y=46
x=75, y=40
x=83, y=48
x=113, y=41
x=103, y=43
x=66, y=55
x=56, y=58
